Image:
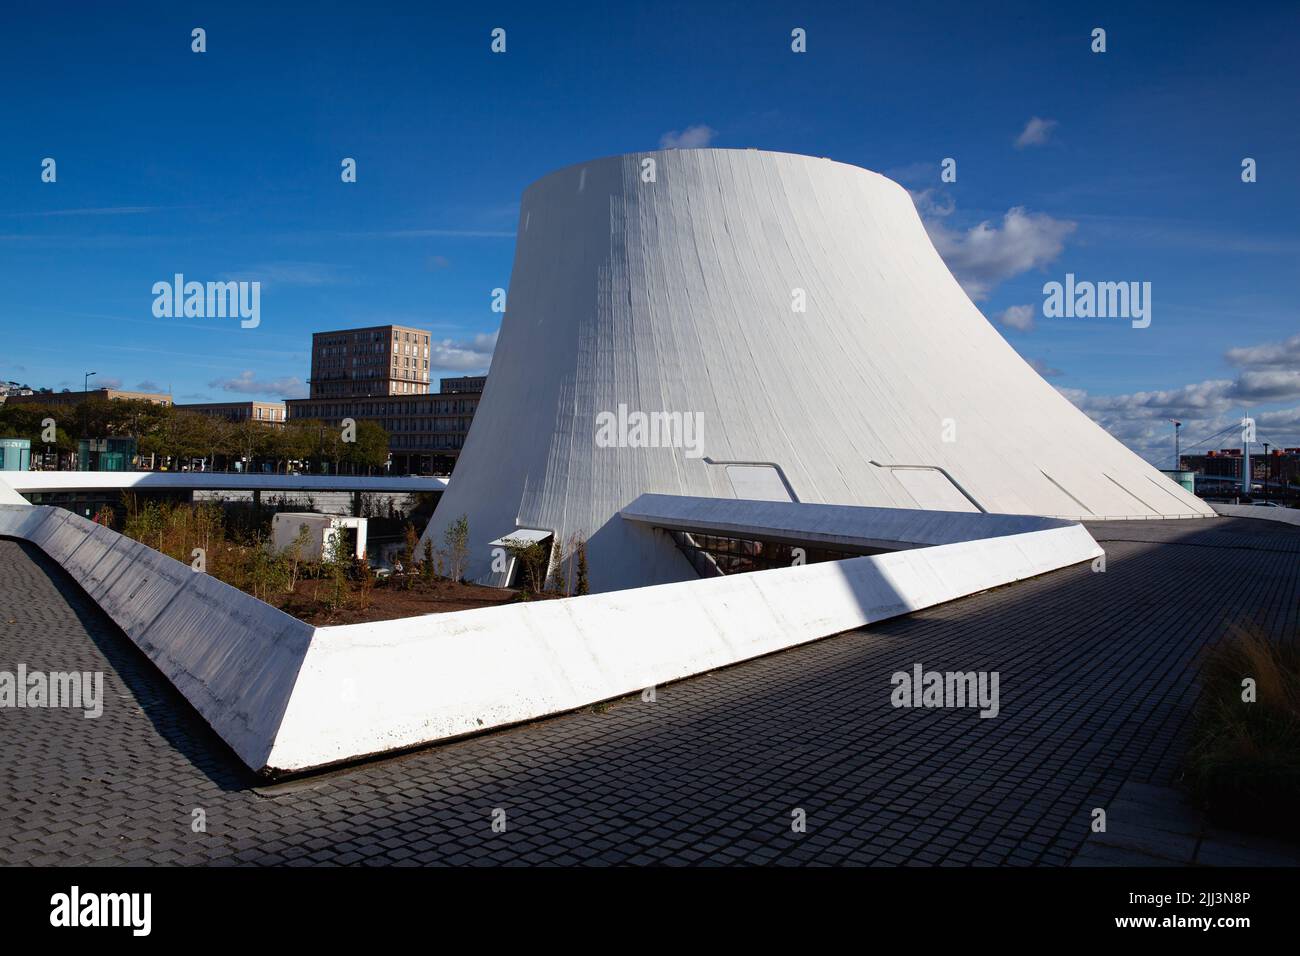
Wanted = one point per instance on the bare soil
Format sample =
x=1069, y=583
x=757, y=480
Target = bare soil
x=391, y=600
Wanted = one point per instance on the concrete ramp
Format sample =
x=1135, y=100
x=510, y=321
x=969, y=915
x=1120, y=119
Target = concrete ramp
x=234, y=658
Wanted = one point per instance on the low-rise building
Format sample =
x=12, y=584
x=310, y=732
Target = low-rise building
x=270, y=413
x=76, y=398
x=15, y=454
x=426, y=432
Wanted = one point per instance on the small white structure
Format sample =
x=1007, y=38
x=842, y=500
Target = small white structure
x=323, y=529
x=504, y=564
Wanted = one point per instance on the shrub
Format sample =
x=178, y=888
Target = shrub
x=410, y=542
x=456, y=537
x=366, y=579
x=532, y=557
x=294, y=554
x=338, y=559
x=1244, y=761
x=559, y=575
x=582, y=585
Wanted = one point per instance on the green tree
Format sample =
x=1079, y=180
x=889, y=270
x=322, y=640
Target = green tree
x=188, y=436
x=26, y=420
x=214, y=436
x=370, y=449
x=327, y=445
x=250, y=440
x=137, y=417
x=94, y=418
x=290, y=442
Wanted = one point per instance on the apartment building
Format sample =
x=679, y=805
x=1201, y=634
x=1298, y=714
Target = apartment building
x=363, y=363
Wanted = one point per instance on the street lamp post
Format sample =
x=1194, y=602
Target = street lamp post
x=1266, y=471
x=83, y=416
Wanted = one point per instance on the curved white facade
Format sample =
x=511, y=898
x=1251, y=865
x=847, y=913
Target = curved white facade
x=680, y=295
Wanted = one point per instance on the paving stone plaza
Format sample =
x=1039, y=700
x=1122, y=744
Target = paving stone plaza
x=1097, y=677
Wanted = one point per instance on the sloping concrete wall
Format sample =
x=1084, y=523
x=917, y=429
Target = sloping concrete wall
x=8, y=496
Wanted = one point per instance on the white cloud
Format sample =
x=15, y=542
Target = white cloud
x=1283, y=355
x=913, y=172
x=1268, y=385
x=932, y=204
x=1042, y=368
x=431, y=234
x=692, y=137
x=247, y=384
x=473, y=354
x=1036, y=132
x=1286, y=420
x=1019, y=317
x=985, y=255
x=287, y=274
x=1141, y=419
x=96, y=211
x=1190, y=401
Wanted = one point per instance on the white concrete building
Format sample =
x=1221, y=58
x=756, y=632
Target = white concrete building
x=746, y=324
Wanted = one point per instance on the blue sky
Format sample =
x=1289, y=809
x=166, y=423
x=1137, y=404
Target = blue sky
x=226, y=165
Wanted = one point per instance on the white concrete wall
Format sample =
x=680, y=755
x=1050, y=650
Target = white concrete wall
x=676, y=296
x=1283, y=515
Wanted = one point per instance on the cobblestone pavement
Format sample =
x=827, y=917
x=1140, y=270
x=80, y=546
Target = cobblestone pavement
x=1097, y=677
